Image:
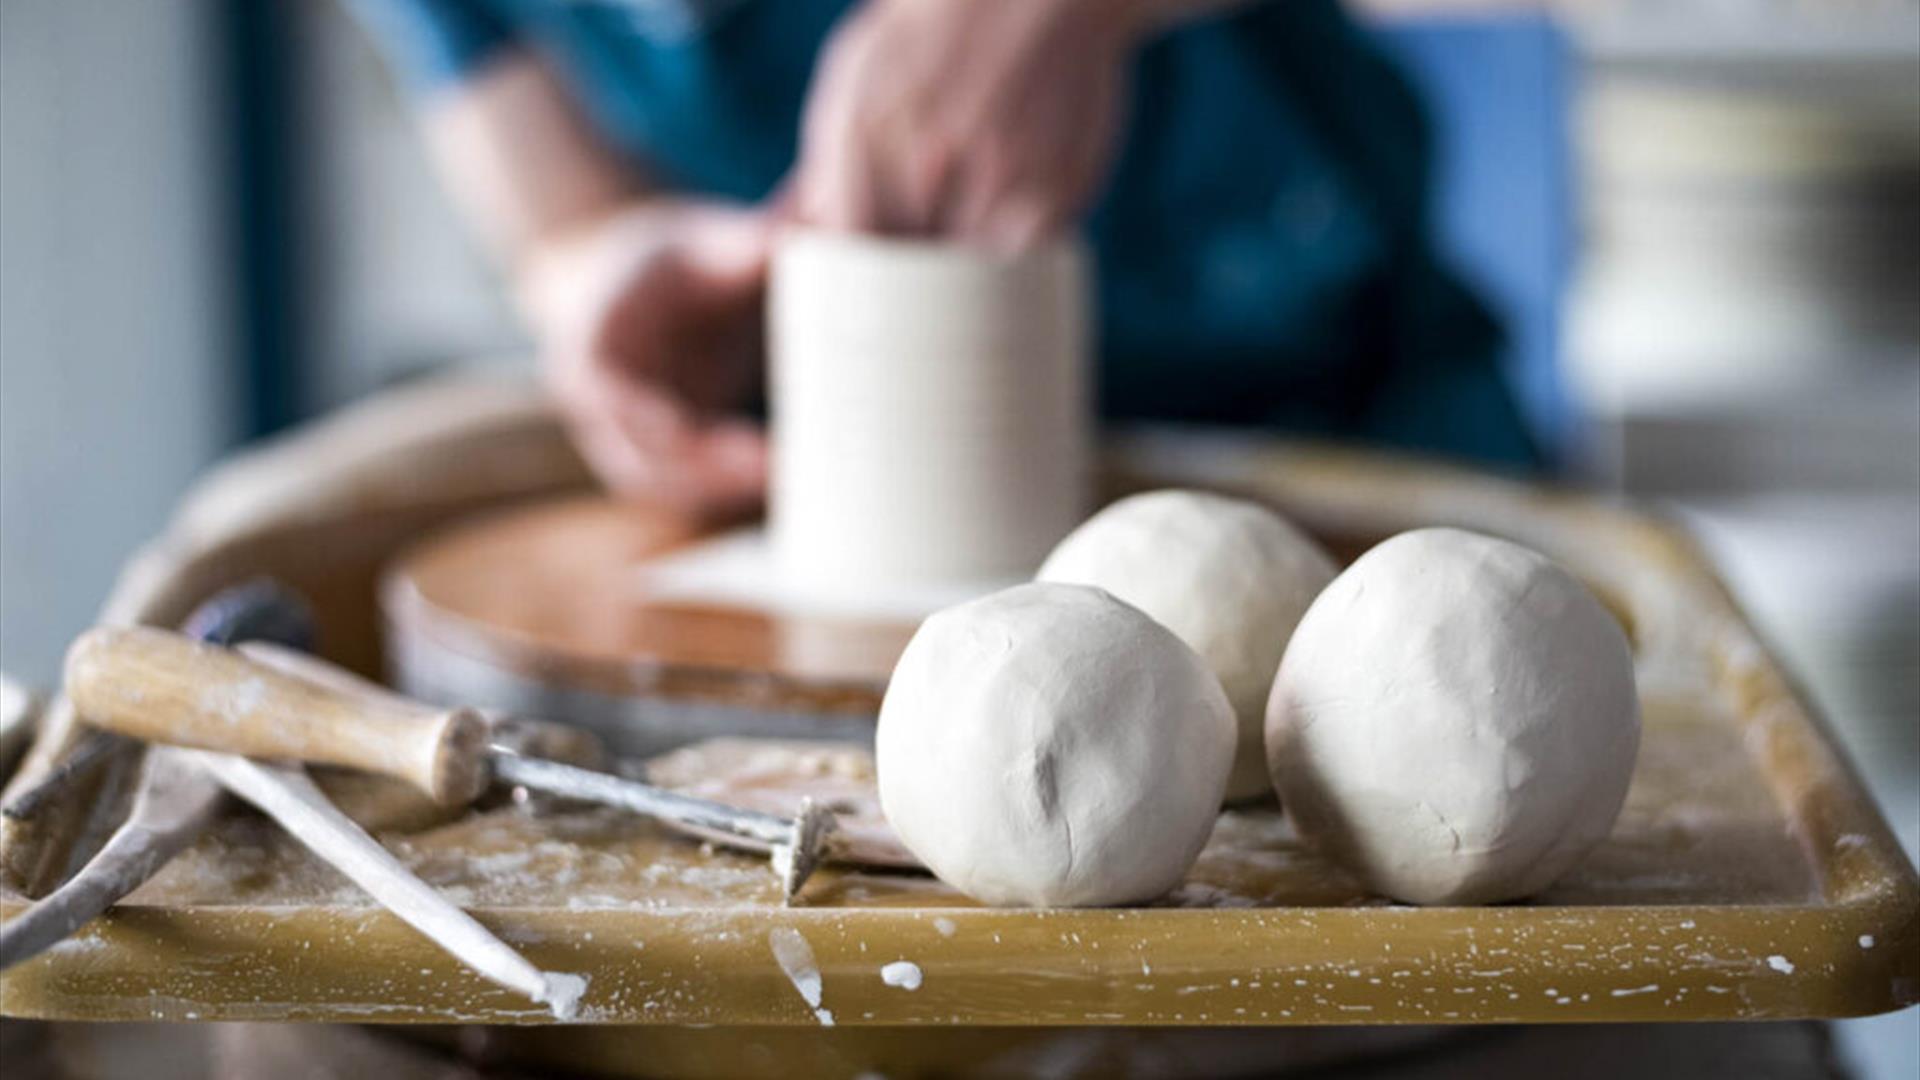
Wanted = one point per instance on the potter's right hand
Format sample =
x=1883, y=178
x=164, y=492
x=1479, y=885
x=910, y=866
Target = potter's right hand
x=986, y=121
x=650, y=332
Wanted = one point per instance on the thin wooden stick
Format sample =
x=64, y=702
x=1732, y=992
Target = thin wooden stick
x=176, y=799
x=290, y=798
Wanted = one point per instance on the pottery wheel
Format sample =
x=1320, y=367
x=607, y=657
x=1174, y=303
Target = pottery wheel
x=562, y=610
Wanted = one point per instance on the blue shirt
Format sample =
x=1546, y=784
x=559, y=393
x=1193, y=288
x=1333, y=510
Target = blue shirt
x=1263, y=246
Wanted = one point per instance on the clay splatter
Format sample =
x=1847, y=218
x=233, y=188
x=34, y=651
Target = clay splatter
x=562, y=992
x=795, y=957
x=904, y=974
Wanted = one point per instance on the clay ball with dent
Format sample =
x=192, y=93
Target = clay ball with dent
x=1050, y=745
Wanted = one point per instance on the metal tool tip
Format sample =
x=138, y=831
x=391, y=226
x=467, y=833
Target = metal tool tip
x=805, y=847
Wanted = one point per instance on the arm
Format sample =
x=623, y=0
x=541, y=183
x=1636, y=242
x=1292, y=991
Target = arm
x=643, y=303
x=514, y=152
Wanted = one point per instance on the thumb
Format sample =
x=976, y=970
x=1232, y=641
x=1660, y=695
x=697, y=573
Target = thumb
x=728, y=248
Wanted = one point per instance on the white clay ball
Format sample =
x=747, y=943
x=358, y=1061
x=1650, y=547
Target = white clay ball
x=1049, y=745
x=1455, y=720
x=1228, y=577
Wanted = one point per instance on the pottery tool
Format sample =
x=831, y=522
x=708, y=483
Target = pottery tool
x=180, y=793
x=174, y=800
x=535, y=738
x=556, y=758
x=257, y=610
x=90, y=752
x=173, y=803
x=288, y=796
x=168, y=688
x=778, y=776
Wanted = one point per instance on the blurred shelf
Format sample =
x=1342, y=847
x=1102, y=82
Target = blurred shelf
x=1744, y=32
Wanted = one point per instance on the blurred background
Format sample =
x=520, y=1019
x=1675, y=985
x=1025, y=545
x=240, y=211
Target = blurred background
x=216, y=220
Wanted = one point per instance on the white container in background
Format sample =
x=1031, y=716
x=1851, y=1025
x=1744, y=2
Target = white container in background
x=931, y=408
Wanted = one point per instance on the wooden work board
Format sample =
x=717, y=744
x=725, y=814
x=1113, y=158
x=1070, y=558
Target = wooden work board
x=1749, y=875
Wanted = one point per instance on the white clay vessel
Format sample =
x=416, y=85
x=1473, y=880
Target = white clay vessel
x=931, y=410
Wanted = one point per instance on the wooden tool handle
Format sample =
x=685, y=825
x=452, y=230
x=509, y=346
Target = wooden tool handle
x=533, y=738
x=162, y=686
x=305, y=666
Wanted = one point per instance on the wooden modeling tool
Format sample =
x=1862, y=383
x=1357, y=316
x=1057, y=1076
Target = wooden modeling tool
x=286, y=794
x=174, y=800
x=180, y=793
x=173, y=803
x=90, y=752
x=168, y=688
x=537, y=738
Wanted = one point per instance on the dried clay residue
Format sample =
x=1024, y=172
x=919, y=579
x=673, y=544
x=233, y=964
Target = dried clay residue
x=561, y=993
x=904, y=974
x=795, y=957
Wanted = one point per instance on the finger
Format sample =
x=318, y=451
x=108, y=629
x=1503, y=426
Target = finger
x=671, y=458
x=727, y=466
x=835, y=185
x=619, y=465
x=980, y=198
x=601, y=390
x=917, y=167
x=653, y=421
x=1018, y=223
x=818, y=196
x=728, y=249
x=635, y=468
x=711, y=472
x=840, y=193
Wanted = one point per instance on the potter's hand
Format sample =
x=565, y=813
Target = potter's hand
x=986, y=121
x=649, y=326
